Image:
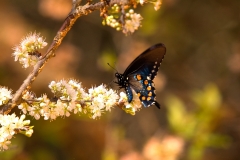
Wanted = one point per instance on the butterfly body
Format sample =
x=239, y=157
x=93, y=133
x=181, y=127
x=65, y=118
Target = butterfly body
x=140, y=73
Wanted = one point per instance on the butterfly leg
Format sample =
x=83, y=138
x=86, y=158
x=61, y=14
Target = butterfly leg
x=157, y=104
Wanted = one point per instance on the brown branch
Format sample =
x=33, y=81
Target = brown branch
x=67, y=24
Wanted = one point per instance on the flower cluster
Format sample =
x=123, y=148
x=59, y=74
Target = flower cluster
x=132, y=22
x=132, y=107
x=27, y=51
x=128, y=23
x=10, y=125
x=112, y=19
x=5, y=95
x=69, y=96
x=124, y=19
x=101, y=99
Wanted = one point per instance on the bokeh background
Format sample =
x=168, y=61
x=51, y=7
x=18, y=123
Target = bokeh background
x=198, y=85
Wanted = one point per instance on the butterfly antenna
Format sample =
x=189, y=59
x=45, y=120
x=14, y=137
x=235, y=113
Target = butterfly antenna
x=109, y=84
x=112, y=67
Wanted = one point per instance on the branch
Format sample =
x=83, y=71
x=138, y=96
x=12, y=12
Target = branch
x=67, y=25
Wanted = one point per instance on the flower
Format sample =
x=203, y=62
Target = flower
x=5, y=95
x=35, y=111
x=131, y=107
x=10, y=125
x=101, y=99
x=25, y=106
x=27, y=51
x=157, y=4
x=133, y=23
x=142, y=2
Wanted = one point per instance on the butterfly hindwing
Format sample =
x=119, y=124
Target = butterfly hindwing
x=144, y=87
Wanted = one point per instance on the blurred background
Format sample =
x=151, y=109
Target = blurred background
x=198, y=85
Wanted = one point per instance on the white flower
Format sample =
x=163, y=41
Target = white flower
x=131, y=107
x=4, y=144
x=123, y=97
x=133, y=23
x=111, y=99
x=142, y=2
x=29, y=132
x=35, y=111
x=51, y=113
x=157, y=4
x=27, y=51
x=102, y=99
x=24, y=107
x=5, y=95
x=10, y=124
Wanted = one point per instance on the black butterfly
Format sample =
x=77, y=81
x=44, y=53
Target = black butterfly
x=140, y=73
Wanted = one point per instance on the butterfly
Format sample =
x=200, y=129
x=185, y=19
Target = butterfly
x=140, y=73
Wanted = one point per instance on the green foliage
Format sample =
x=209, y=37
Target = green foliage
x=197, y=125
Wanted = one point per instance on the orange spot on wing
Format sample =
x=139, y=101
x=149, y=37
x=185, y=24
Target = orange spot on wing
x=149, y=88
x=145, y=82
x=139, y=77
x=150, y=94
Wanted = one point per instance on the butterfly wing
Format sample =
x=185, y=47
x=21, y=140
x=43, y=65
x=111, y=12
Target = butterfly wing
x=143, y=86
x=151, y=59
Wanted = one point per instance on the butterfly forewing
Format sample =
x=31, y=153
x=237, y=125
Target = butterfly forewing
x=152, y=57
